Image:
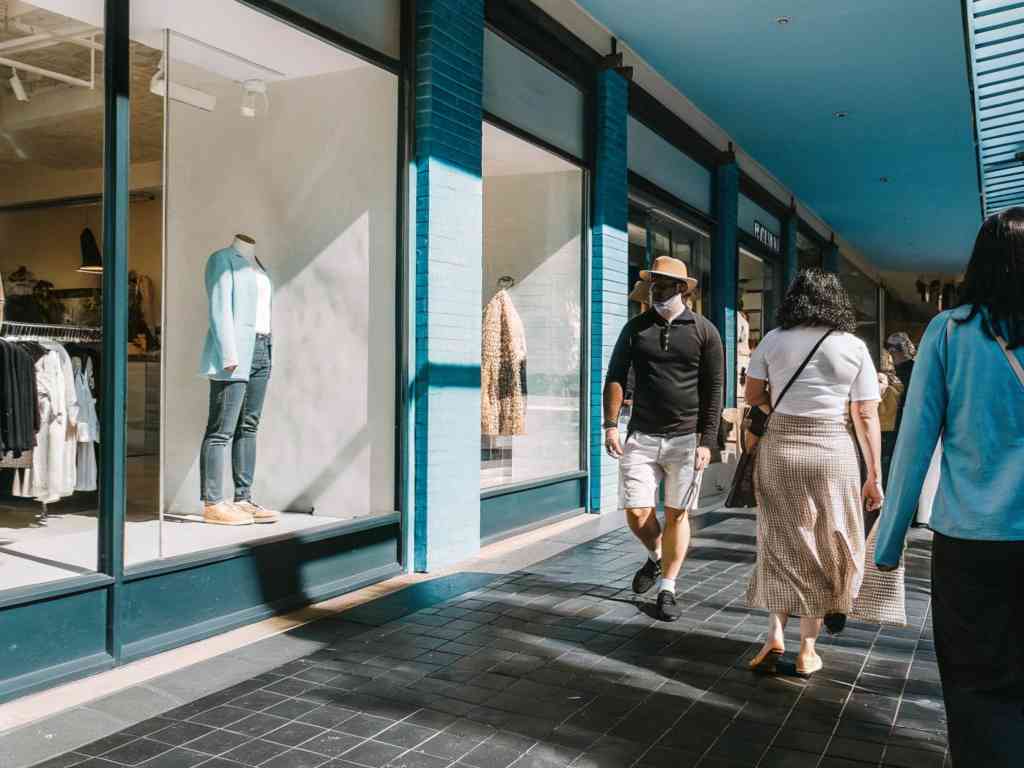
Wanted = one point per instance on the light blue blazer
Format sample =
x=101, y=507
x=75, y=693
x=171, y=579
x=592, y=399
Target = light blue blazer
x=233, y=293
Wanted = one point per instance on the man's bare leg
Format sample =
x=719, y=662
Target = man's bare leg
x=675, y=542
x=643, y=521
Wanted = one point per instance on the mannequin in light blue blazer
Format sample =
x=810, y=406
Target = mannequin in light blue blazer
x=233, y=295
x=237, y=361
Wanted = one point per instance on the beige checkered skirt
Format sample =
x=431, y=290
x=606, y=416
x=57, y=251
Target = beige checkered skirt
x=810, y=527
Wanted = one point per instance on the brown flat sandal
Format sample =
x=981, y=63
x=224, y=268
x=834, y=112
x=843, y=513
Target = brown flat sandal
x=766, y=663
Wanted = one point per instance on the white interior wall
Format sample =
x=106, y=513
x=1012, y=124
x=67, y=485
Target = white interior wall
x=314, y=182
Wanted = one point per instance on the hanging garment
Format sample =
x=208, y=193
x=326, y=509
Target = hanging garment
x=88, y=432
x=69, y=460
x=46, y=479
x=502, y=369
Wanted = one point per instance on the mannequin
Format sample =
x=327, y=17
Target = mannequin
x=237, y=361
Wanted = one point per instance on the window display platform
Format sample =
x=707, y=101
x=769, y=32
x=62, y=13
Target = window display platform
x=32, y=552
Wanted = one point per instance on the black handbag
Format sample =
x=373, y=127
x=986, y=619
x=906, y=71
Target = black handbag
x=742, y=493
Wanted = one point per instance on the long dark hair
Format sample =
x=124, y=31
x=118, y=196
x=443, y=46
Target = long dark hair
x=994, y=284
x=817, y=298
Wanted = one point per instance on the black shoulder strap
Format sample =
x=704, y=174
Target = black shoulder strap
x=800, y=370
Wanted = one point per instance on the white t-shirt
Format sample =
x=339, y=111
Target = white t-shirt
x=263, y=301
x=840, y=371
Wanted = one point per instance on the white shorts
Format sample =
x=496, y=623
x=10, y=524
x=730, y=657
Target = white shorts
x=647, y=460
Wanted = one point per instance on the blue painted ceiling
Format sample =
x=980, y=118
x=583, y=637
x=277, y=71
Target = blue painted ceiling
x=898, y=69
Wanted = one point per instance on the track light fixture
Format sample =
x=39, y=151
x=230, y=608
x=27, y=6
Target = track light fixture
x=17, y=86
x=250, y=90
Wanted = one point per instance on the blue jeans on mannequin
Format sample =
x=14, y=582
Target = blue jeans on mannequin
x=235, y=409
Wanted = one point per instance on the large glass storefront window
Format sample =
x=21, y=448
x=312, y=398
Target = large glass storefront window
x=532, y=320
x=808, y=252
x=653, y=233
x=864, y=295
x=638, y=253
x=261, y=371
x=51, y=210
x=755, y=309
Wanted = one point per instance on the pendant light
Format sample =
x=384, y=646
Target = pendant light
x=92, y=263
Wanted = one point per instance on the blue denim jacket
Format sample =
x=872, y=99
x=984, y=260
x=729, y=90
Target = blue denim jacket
x=965, y=390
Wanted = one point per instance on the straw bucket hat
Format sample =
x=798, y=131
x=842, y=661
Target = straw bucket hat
x=666, y=266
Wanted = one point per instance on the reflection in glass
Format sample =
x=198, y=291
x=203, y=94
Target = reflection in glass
x=758, y=292
x=51, y=184
x=669, y=236
x=808, y=252
x=530, y=416
x=864, y=295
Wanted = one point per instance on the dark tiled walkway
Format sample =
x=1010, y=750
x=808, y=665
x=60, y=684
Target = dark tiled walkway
x=559, y=666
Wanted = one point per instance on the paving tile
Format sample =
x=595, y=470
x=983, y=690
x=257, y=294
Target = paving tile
x=332, y=743
x=255, y=752
x=295, y=758
x=177, y=758
x=327, y=716
x=257, y=725
x=373, y=753
x=218, y=742
x=410, y=759
x=293, y=734
x=137, y=751
x=180, y=733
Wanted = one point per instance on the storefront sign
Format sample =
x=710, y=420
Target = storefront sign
x=767, y=238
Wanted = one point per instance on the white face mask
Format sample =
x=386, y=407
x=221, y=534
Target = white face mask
x=671, y=308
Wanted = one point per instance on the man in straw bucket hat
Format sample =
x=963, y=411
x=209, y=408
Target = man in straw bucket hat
x=679, y=368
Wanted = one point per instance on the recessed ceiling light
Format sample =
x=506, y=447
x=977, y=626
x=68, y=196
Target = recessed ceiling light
x=783, y=20
x=840, y=114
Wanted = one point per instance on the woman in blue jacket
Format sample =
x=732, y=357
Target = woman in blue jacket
x=968, y=387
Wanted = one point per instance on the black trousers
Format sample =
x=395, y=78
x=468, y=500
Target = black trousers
x=978, y=616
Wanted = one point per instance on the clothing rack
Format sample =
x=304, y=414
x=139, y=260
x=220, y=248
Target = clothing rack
x=70, y=333
x=79, y=333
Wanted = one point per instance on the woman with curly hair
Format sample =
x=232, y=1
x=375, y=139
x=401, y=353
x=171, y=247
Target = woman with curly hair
x=815, y=374
x=968, y=387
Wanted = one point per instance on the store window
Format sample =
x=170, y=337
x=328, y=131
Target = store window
x=531, y=363
x=757, y=300
x=639, y=258
x=261, y=369
x=653, y=233
x=808, y=252
x=51, y=212
x=863, y=293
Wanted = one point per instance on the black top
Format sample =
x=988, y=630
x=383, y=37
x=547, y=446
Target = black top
x=680, y=375
x=903, y=372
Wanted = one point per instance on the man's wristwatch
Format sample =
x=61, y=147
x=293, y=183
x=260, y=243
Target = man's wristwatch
x=610, y=424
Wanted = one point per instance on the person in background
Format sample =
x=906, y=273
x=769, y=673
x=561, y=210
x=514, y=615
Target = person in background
x=903, y=353
x=815, y=374
x=968, y=387
x=679, y=362
x=892, y=394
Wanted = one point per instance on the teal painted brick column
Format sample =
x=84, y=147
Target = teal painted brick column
x=449, y=268
x=725, y=265
x=609, y=307
x=830, y=258
x=790, y=260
